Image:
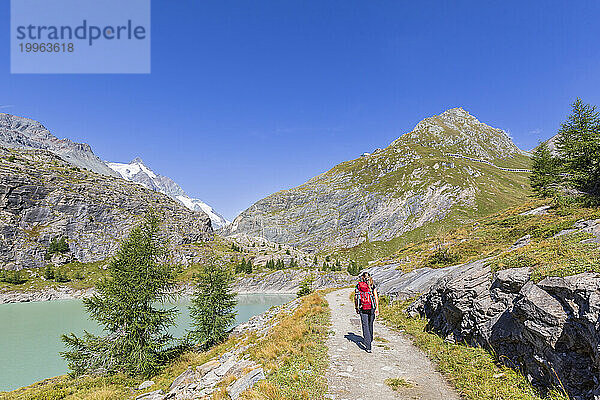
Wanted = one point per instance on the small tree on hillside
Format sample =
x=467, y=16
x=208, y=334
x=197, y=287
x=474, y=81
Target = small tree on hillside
x=213, y=305
x=545, y=171
x=353, y=268
x=136, y=342
x=579, y=147
x=306, y=286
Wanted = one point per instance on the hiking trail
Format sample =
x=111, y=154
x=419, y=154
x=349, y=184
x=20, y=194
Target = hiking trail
x=355, y=374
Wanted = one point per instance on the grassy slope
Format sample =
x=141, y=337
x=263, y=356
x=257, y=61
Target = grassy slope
x=294, y=355
x=492, y=236
x=497, y=190
x=472, y=371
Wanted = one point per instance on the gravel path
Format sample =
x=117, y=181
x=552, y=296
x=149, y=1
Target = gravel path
x=357, y=375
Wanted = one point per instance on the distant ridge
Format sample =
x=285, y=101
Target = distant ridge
x=24, y=133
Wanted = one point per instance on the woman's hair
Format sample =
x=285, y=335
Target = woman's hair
x=364, y=277
x=370, y=281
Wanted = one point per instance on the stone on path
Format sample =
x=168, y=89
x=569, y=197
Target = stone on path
x=145, y=385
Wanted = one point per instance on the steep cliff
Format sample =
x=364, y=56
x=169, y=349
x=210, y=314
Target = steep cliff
x=42, y=198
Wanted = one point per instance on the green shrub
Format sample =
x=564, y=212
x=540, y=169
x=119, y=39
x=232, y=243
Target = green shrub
x=78, y=275
x=12, y=277
x=306, y=286
x=353, y=268
x=11, y=158
x=49, y=272
x=442, y=257
x=61, y=276
x=57, y=246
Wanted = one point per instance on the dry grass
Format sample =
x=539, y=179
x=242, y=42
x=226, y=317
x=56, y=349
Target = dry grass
x=294, y=354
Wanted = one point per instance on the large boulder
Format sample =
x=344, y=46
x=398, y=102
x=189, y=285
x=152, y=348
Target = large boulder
x=550, y=329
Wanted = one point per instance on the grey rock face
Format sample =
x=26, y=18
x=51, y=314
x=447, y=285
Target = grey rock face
x=145, y=385
x=24, y=133
x=185, y=378
x=155, y=395
x=402, y=286
x=42, y=197
x=550, y=330
x=380, y=196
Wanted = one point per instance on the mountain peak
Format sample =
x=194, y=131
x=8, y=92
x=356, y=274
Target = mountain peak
x=25, y=133
x=137, y=160
x=457, y=112
x=457, y=131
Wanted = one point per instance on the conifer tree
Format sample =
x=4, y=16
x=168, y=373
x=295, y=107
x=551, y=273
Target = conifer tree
x=579, y=147
x=213, y=305
x=545, y=171
x=136, y=342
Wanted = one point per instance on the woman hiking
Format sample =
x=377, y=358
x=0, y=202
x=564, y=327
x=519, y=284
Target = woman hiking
x=366, y=303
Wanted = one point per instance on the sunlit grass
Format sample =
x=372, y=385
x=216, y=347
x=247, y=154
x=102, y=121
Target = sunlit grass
x=294, y=354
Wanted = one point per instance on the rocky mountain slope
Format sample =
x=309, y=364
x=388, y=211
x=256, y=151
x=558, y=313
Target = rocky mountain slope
x=137, y=171
x=24, y=133
x=42, y=197
x=423, y=177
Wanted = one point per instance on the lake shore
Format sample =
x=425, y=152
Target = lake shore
x=271, y=282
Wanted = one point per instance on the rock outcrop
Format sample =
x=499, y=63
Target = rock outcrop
x=42, y=198
x=234, y=367
x=398, y=285
x=549, y=329
x=415, y=181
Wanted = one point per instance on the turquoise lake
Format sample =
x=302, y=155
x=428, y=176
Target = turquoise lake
x=30, y=335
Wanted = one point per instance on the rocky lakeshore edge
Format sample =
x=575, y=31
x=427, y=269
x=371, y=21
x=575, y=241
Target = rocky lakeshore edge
x=276, y=282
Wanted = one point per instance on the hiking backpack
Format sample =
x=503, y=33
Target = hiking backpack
x=365, y=298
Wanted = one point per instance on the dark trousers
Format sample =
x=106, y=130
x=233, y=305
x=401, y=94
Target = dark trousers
x=366, y=319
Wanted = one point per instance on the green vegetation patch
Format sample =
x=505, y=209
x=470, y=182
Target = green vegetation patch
x=397, y=383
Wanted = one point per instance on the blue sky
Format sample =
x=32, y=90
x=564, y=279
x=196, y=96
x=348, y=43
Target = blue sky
x=249, y=97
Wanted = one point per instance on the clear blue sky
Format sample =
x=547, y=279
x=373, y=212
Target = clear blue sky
x=249, y=97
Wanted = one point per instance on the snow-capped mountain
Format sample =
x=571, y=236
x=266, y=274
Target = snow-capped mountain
x=137, y=171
